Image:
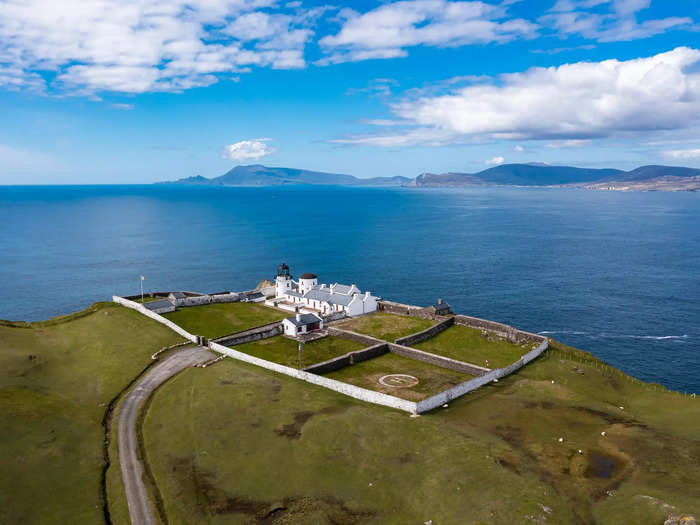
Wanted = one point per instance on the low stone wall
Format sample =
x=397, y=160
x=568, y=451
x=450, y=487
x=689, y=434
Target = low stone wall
x=453, y=393
x=508, y=332
x=225, y=298
x=252, y=334
x=399, y=308
x=354, y=336
x=145, y=311
x=348, y=359
x=427, y=333
x=437, y=360
x=356, y=392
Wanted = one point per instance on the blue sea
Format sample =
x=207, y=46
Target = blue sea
x=617, y=274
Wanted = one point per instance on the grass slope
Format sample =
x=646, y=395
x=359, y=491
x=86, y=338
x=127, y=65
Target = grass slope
x=467, y=344
x=285, y=351
x=219, y=319
x=55, y=382
x=287, y=452
x=385, y=325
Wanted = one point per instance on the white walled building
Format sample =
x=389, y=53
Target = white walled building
x=307, y=293
x=301, y=324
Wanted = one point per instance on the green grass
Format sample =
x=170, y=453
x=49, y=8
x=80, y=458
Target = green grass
x=386, y=326
x=147, y=299
x=219, y=319
x=433, y=379
x=56, y=378
x=285, y=351
x=493, y=456
x=467, y=344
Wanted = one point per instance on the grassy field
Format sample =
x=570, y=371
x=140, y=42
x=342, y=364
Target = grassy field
x=56, y=378
x=288, y=452
x=467, y=344
x=219, y=319
x=386, y=326
x=285, y=351
x=432, y=379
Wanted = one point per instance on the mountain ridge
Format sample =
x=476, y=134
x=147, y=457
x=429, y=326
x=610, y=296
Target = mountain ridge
x=644, y=178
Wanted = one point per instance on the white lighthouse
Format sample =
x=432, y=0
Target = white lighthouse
x=306, y=282
x=283, y=280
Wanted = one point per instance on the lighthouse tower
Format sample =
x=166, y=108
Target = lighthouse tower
x=283, y=280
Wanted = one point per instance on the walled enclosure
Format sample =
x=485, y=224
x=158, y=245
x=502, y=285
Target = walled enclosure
x=364, y=394
x=348, y=359
x=426, y=334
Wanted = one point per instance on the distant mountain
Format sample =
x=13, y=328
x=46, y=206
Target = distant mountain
x=645, y=178
x=258, y=175
x=546, y=175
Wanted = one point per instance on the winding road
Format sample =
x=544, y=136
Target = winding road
x=140, y=509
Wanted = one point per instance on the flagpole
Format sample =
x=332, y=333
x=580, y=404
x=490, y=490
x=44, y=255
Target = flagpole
x=142, y=289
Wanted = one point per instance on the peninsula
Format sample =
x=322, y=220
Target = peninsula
x=301, y=401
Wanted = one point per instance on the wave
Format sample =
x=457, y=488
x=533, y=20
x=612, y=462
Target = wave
x=604, y=335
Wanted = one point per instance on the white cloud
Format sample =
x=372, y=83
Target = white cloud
x=576, y=101
x=571, y=143
x=387, y=30
x=123, y=106
x=248, y=150
x=496, y=161
x=683, y=154
x=618, y=23
x=136, y=46
x=518, y=148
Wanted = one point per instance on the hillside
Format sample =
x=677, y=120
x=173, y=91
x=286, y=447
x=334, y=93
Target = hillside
x=276, y=450
x=258, y=175
x=545, y=175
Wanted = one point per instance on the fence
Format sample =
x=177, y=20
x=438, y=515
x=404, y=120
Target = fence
x=427, y=333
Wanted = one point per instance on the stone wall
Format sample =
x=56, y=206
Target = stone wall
x=348, y=359
x=354, y=336
x=356, y=392
x=437, y=360
x=468, y=386
x=227, y=297
x=399, y=308
x=252, y=334
x=145, y=311
x=503, y=330
x=427, y=333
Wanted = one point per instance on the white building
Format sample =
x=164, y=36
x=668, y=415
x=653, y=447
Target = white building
x=301, y=324
x=306, y=293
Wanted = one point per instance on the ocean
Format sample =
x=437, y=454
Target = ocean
x=617, y=274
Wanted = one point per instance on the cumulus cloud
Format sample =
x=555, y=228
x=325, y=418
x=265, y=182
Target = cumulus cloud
x=496, y=161
x=617, y=23
x=572, y=102
x=387, y=30
x=248, y=150
x=518, y=148
x=683, y=154
x=136, y=46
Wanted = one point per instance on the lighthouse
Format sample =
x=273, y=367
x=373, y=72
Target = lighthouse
x=283, y=280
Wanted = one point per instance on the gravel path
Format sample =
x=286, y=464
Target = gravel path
x=132, y=470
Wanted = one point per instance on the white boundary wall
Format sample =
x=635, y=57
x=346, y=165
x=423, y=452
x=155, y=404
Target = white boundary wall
x=468, y=386
x=344, y=388
x=157, y=317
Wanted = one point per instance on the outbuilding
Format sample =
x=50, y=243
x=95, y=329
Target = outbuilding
x=301, y=324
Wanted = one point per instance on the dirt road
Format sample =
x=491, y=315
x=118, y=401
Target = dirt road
x=140, y=509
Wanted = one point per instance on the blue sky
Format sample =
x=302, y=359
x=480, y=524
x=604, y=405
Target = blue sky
x=133, y=91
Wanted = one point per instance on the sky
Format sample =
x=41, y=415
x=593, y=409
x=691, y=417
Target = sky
x=139, y=91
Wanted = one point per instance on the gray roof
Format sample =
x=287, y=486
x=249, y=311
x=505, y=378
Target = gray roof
x=157, y=305
x=304, y=319
x=293, y=293
x=342, y=288
x=178, y=295
x=324, y=294
x=253, y=295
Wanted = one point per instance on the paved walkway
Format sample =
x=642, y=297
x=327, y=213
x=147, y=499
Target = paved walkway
x=132, y=470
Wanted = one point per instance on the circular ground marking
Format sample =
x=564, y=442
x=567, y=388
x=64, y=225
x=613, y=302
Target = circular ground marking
x=399, y=380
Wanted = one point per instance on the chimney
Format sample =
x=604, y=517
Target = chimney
x=367, y=294
x=439, y=301
x=298, y=317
